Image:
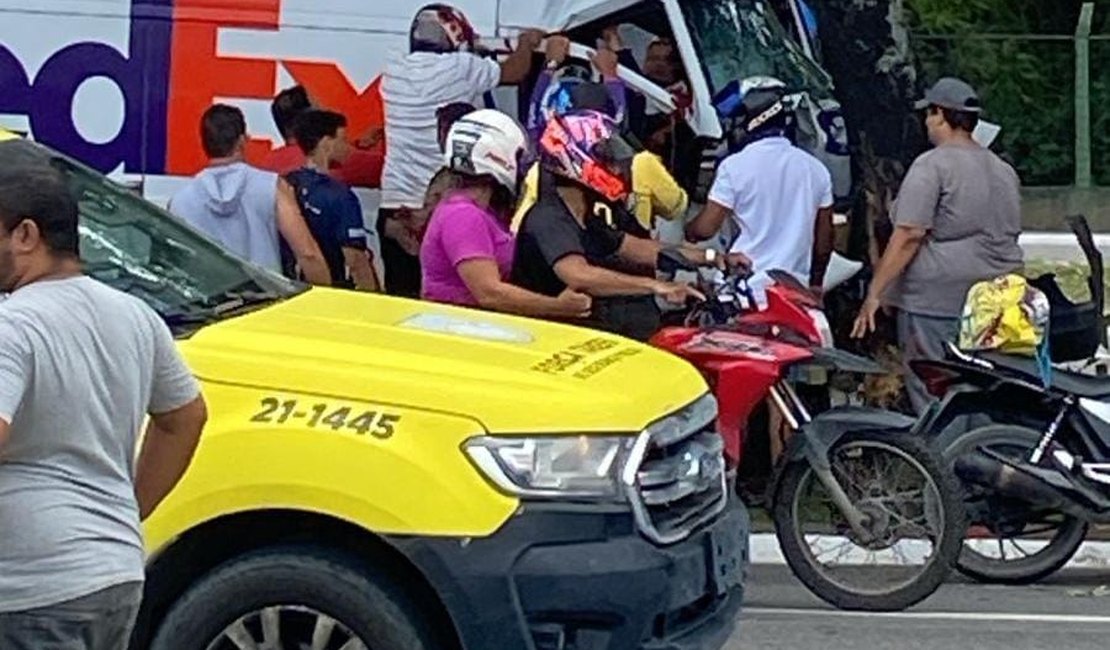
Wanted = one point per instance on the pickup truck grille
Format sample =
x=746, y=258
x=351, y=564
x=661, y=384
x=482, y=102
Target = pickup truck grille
x=679, y=482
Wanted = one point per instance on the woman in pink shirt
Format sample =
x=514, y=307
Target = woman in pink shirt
x=467, y=251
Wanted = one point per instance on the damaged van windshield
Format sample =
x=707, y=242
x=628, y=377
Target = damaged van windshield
x=736, y=39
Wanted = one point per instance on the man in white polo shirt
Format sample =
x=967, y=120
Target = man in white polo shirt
x=440, y=68
x=777, y=195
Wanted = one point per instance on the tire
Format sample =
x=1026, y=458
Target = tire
x=319, y=579
x=947, y=504
x=1065, y=541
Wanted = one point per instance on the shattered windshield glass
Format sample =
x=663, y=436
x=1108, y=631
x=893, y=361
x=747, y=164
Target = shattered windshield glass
x=135, y=247
x=736, y=39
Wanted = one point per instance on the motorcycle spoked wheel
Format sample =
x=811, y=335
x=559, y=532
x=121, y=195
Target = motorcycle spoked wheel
x=1056, y=537
x=915, y=523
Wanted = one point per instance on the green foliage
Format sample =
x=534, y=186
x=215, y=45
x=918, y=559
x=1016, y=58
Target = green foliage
x=1027, y=86
x=1003, y=16
x=1100, y=109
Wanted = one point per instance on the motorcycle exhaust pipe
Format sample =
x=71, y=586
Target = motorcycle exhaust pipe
x=980, y=469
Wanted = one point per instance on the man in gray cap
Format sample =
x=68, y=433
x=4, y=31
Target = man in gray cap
x=957, y=219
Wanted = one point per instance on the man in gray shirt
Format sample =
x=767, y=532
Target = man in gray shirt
x=957, y=221
x=81, y=366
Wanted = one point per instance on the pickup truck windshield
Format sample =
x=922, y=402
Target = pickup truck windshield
x=736, y=39
x=142, y=250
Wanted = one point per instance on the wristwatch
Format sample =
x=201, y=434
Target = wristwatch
x=710, y=256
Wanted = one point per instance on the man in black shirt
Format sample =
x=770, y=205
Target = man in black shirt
x=569, y=238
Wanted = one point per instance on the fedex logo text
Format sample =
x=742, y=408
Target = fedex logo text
x=170, y=73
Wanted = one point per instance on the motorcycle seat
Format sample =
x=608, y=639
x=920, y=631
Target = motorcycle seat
x=1066, y=381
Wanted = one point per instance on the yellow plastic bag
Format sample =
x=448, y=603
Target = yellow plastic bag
x=1004, y=314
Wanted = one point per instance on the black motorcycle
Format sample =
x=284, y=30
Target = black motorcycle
x=1033, y=452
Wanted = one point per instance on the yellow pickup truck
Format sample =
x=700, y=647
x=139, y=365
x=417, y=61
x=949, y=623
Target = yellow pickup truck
x=396, y=475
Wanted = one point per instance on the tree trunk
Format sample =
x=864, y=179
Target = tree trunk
x=866, y=48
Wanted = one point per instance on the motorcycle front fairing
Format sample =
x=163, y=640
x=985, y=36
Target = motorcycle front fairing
x=815, y=439
x=740, y=368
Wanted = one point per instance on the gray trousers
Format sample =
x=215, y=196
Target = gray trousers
x=99, y=621
x=923, y=337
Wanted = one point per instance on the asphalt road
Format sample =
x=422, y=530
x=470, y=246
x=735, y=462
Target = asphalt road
x=1068, y=612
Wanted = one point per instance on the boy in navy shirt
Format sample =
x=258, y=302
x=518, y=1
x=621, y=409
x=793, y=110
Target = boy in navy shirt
x=331, y=209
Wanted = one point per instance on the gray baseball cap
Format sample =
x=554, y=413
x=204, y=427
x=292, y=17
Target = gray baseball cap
x=951, y=93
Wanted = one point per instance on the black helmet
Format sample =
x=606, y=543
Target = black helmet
x=753, y=107
x=763, y=108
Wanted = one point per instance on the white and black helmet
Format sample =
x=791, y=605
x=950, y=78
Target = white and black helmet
x=486, y=143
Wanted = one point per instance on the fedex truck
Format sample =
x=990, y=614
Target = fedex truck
x=121, y=84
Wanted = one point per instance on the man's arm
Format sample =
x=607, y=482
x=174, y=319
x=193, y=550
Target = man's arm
x=362, y=269
x=639, y=251
x=168, y=448
x=295, y=232
x=350, y=232
x=900, y=251
x=708, y=222
x=668, y=199
x=558, y=47
x=580, y=275
x=483, y=279
x=178, y=415
x=822, y=246
x=516, y=67
x=914, y=215
x=15, y=369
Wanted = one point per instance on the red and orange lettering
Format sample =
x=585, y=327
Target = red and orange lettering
x=198, y=75
x=329, y=86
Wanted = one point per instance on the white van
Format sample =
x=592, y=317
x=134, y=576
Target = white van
x=122, y=84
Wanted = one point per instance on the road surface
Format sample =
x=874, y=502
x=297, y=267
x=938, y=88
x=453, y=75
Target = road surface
x=1068, y=612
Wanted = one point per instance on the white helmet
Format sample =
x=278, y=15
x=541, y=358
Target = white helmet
x=486, y=142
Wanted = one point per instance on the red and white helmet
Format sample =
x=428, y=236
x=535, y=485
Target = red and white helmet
x=441, y=28
x=486, y=142
x=587, y=147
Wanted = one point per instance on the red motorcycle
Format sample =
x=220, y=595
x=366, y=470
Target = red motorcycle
x=865, y=515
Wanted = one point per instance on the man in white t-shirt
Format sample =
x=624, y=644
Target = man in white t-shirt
x=778, y=196
x=440, y=68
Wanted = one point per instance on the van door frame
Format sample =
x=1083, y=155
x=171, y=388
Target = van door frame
x=703, y=119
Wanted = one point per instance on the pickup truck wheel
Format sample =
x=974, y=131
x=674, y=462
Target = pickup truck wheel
x=293, y=597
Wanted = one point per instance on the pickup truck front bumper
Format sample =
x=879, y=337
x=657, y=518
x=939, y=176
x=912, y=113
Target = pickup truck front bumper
x=558, y=577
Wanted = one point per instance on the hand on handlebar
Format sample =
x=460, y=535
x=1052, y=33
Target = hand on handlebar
x=677, y=293
x=738, y=263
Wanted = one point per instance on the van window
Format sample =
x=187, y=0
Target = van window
x=140, y=249
x=736, y=39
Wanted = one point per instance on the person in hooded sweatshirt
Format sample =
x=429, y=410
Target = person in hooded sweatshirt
x=247, y=210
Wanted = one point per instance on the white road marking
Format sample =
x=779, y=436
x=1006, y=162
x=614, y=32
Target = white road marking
x=764, y=549
x=1001, y=617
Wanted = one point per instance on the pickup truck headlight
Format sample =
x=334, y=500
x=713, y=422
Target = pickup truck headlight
x=587, y=467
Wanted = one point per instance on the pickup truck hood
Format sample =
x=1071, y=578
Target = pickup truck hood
x=513, y=375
